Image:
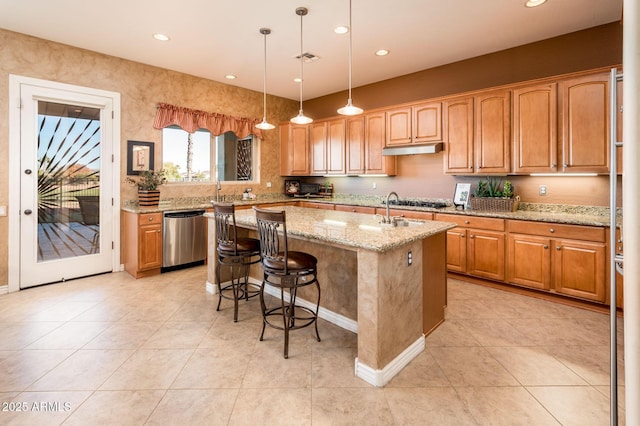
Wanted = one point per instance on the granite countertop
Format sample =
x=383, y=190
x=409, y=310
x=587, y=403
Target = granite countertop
x=556, y=213
x=351, y=230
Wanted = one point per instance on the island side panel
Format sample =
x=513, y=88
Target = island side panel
x=434, y=279
x=389, y=303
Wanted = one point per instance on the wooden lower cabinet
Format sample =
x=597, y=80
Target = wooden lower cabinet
x=566, y=259
x=316, y=205
x=143, y=243
x=476, y=247
x=355, y=209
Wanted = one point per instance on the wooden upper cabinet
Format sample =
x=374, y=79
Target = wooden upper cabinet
x=399, y=126
x=619, y=125
x=584, y=123
x=492, y=139
x=355, y=150
x=415, y=124
x=374, y=136
x=535, y=146
x=328, y=140
x=294, y=150
x=458, y=135
x=318, y=142
x=427, y=122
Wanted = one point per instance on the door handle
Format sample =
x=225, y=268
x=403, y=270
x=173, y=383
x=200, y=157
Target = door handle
x=28, y=212
x=27, y=172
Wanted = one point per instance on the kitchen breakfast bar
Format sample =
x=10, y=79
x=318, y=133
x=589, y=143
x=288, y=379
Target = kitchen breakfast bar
x=387, y=284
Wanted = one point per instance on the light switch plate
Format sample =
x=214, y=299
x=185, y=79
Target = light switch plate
x=3, y=210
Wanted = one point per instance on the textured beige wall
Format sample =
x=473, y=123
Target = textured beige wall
x=141, y=87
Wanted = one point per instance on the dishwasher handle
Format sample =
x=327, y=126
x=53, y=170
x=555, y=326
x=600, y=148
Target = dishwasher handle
x=184, y=214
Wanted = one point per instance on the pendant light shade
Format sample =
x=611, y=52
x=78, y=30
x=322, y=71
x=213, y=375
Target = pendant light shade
x=301, y=118
x=349, y=108
x=265, y=125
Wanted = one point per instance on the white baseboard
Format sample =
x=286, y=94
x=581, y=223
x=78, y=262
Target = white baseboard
x=380, y=378
x=325, y=314
x=4, y=289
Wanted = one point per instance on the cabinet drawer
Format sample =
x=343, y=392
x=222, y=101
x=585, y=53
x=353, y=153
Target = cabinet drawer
x=355, y=209
x=147, y=218
x=557, y=230
x=486, y=223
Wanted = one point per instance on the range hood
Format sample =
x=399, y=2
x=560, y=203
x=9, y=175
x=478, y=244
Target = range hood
x=430, y=148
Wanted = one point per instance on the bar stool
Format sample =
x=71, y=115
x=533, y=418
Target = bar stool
x=286, y=271
x=236, y=253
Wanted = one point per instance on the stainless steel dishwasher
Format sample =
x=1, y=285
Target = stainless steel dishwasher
x=184, y=240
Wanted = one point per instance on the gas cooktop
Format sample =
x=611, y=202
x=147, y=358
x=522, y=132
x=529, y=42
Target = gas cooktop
x=413, y=203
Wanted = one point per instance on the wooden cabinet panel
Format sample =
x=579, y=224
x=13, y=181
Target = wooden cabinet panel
x=427, y=122
x=486, y=223
x=355, y=148
x=375, y=136
x=142, y=243
x=457, y=250
x=399, y=126
x=315, y=205
x=492, y=139
x=580, y=269
x=150, y=248
x=558, y=230
x=584, y=123
x=485, y=254
x=458, y=135
x=529, y=261
x=535, y=129
x=294, y=150
x=336, y=147
x=318, y=142
x=355, y=209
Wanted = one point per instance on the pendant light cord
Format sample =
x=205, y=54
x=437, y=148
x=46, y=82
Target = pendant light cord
x=350, y=50
x=264, y=85
x=301, y=60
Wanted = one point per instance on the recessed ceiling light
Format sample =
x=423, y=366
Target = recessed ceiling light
x=230, y=77
x=382, y=52
x=534, y=3
x=341, y=29
x=161, y=37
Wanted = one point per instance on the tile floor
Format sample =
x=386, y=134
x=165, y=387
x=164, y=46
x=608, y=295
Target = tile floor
x=113, y=350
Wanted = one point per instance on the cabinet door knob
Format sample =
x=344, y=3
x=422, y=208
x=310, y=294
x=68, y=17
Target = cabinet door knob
x=466, y=222
x=470, y=167
x=558, y=248
x=546, y=246
x=471, y=236
x=461, y=235
x=552, y=230
x=150, y=218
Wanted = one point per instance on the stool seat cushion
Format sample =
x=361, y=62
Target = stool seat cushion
x=298, y=261
x=244, y=245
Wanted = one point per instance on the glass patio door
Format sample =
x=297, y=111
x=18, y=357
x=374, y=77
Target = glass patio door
x=65, y=190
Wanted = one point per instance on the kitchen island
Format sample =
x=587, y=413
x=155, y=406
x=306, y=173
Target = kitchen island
x=387, y=284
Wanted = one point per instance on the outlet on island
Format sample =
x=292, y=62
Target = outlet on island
x=542, y=190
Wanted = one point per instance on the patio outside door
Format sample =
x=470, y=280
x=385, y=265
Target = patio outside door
x=66, y=190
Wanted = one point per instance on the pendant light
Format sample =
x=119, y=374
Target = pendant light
x=265, y=125
x=349, y=108
x=300, y=118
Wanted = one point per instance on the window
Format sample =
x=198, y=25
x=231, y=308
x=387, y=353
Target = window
x=189, y=157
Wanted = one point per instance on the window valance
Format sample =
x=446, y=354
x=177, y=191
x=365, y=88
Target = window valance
x=191, y=120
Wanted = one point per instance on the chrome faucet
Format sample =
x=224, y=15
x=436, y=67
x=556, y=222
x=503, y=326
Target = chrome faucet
x=388, y=218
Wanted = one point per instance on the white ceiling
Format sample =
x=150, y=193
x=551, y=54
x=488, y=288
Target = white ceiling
x=212, y=38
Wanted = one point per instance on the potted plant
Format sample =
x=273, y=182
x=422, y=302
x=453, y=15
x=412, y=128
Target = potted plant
x=492, y=195
x=148, y=183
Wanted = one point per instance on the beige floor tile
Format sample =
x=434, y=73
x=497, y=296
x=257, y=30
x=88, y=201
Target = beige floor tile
x=116, y=408
x=21, y=368
x=350, y=406
x=284, y=406
x=194, y=407
x=63, y=311
x=335, y=368
x=573, y=405
x=422, y=371
x=242, y=334
x=83, y=370
x=268, y=369
x=174, y=335
x=471, y=367
x=148, y=369
x=18, y=335
x=606, y=391
x=495, y=332
x=508, y=406
x=124, y=335
x=533, y=366
x=213, y=368
x=469, y=308
x=71, y=335
x=427, y=406
x=451, y=333
x=589, y=362
x=43, y=408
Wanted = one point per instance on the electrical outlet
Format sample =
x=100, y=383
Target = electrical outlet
x=3, y=210
x=409, y=258
x=542, y=190
x=374, y=185
x=268, y=184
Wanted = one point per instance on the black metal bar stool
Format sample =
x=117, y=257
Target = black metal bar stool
x=287, y=271
x=236, y=253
